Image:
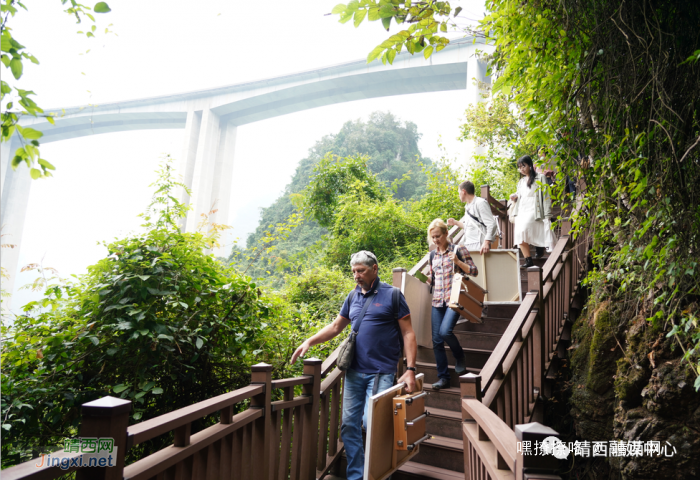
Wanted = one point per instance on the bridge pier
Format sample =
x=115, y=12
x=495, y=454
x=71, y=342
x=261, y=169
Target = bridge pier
x=16, y=185
x=207, y=166
x=477, y=86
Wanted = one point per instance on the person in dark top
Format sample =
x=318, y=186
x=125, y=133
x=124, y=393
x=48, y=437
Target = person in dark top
x=378, y=345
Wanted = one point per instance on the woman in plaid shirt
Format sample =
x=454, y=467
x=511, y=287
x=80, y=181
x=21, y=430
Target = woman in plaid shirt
x=448, y=259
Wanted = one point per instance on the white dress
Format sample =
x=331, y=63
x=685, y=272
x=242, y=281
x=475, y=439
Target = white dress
x=527, y=229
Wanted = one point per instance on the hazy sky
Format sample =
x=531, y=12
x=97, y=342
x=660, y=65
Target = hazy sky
x=173, y=46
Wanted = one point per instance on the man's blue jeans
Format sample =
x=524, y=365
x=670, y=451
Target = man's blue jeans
x=443, y=320
x=357, y=389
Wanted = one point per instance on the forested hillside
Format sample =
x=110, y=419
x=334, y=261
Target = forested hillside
x=391, y=147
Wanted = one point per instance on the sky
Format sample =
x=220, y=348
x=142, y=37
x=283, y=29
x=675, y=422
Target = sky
x=161, y=47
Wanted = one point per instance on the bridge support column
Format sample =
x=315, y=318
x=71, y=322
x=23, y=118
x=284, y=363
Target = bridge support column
x=477, y=87
x=207, y=167
x=16, y=185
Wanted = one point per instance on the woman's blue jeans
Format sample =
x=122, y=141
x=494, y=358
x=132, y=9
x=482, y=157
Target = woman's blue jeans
x=443, y=320
x=358, y=387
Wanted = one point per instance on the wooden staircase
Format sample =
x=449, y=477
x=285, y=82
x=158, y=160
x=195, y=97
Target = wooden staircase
x=442, y=457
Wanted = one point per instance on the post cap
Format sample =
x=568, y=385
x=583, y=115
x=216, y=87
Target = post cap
x=312, y=361
x=399, y=269
x=106, y=407
x=261, y=367
x=534, y=430
x=534, y=269
x=469, y=378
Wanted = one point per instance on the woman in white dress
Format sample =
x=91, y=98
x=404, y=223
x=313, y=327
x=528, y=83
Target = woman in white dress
x=532, y=207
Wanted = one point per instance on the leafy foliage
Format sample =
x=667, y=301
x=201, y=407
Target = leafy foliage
x=391, y=151
x=157, y=322
x=425, y=18
x=617, y=82
x=13, y=56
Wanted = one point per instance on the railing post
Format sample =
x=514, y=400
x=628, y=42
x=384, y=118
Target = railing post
x=397, y=281
x=470, y=387
x=485, y=192
x=107, y=417
x=262, y=438
x=312, y=368
x=544, y=465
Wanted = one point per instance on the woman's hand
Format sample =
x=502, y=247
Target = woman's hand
x=451, y=222
x=454, y=258
x=513, y=197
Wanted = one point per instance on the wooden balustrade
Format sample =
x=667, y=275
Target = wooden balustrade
x=295, y=438
x=513, y=377
x=492, y=449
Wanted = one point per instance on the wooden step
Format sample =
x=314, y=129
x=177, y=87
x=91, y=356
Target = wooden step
x=420, y=471
x=473, y=358
x=444, y=423
x=478, y=340
x=442, y=452
x=430, y=372
x=500, y=310
x=489, y=325
x=446, y=399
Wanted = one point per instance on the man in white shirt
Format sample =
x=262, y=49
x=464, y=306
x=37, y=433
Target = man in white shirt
x=478, y=223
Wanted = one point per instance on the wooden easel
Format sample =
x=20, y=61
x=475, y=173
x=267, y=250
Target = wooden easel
x=395, y=429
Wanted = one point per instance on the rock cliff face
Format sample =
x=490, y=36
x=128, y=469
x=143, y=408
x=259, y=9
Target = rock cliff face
x=629, y=383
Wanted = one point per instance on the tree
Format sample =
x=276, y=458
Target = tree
x=157, y=321
x=13, y=57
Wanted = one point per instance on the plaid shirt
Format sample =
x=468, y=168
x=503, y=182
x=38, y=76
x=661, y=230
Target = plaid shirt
x=443, y=268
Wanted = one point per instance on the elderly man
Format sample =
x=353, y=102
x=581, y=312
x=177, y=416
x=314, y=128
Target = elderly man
x=383, y=329
x=478, y=223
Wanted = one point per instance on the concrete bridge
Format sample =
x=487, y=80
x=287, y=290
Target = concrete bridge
x=211, y=118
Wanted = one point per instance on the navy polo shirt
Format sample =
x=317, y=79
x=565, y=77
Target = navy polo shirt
x=378, y=343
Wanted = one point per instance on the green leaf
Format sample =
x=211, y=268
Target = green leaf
x=102, y=7
x=46, y=164
x=120, y=388
x=427, y=52
x=30, y=133
x=34, y=173
x=338, y=9
x=199, y=343
x=359, y=16
x=16, y=67
x=386, y=23
x=390, y=55
x=157, y=391
x=374, y=54
x=95, y=341
x=457, y=10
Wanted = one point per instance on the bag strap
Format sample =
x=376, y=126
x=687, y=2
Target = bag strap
x=395, y=301
x=452, y=247
x=364, y=309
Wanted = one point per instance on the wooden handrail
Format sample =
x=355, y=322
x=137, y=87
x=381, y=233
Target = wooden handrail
x=162, y=460
x=494, y=428
x=170, y=421
x=493, y=367
x=291, y=382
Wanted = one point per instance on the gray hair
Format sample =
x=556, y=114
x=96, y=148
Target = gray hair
x=365, y=257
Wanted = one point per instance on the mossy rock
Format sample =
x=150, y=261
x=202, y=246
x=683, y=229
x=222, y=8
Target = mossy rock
x=604, y=349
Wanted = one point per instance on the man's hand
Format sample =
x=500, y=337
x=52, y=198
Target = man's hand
x=410, y=378
x=300, y=352
x=486, y=247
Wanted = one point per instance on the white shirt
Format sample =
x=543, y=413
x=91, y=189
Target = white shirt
x=473, y=231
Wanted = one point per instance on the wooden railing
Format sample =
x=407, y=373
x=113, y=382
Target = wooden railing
x=294, y=438
x=494, y=450
x=513, y=378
